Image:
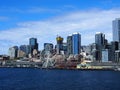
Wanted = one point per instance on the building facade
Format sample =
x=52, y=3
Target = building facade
x=76, y=43
x=26, y=49
x=105, y=55
x=33, y=44
x=69, y=45
x=13, y=51
x=100, y=42
x=59, y=45
x=116, y=29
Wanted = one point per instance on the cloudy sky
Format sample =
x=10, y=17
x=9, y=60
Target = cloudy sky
x=45, y=19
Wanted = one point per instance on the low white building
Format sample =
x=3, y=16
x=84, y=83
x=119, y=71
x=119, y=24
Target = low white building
x=105, y=55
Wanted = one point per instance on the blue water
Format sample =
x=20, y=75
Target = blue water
x=37, y=79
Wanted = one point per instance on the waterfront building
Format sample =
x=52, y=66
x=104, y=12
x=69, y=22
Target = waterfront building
x=96, y=55
x=100, y=43
x=105, y=55
x=59, y=45
x=114, y=47
x=33, y=44
x=91, y=51
x=69, y=45
x=116, y=29
x=4, y=57
x=13, y=51
x=117, y=56
x=100, y=40
x=76, y=43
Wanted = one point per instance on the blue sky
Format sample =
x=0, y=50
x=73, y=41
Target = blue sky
x=44, y=19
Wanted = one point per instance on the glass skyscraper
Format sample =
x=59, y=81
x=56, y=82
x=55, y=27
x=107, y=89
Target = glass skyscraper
x=116, y=29
x=100, y=40
x=100, y=43
x=69, y=45
x=33, y=44
x=76, y=43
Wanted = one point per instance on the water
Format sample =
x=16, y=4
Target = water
x=37, y=79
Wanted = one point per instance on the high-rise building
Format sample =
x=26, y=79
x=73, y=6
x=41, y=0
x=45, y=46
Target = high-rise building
x=100, y=42
x=117, y=56
x=69, y=45
x=116, y=29
x=76, y=42
x=13, y=51
x=59, y=44
x=33, y=44
x=114, y=47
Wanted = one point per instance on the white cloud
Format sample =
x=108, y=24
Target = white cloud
x=85, y=22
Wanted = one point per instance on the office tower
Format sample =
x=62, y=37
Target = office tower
x=116, y=29
x=59, y=40
x=69, y=45
x=33, y=44
x=114, y=47
x=100, y=42
x=117, y=56
x=76, y=43
x=13, y=51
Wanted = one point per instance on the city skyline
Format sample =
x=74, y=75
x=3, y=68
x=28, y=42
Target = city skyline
x=45, y=20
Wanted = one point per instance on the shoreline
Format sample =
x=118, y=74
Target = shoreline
x=82, y=69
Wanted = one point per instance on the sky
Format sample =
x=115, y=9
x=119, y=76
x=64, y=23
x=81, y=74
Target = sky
x=45, y=19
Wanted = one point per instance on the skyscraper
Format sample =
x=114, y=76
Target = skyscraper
x=13, y=51
x=100, y=40
x=116, y=29
x=69, y=45
x=76, y=43
x=59, y=40
x=100, y=43
x=33, y=44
